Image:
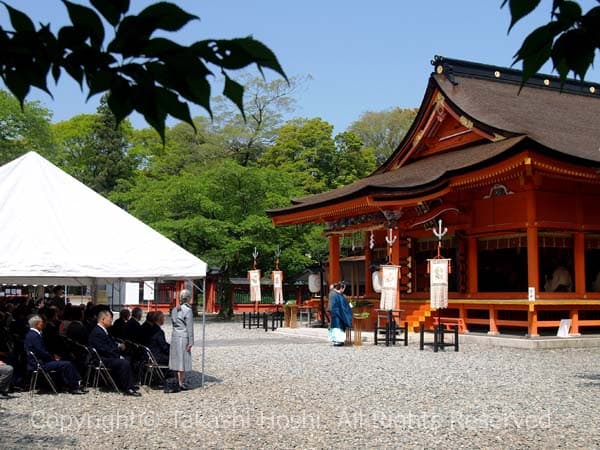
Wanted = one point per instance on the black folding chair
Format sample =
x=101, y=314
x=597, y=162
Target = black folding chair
x=83, y=358
x=35, y=374
x=152, y=367
x=137, y=356
x=100, y=372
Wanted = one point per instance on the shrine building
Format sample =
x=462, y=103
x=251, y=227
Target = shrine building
x=513, y=173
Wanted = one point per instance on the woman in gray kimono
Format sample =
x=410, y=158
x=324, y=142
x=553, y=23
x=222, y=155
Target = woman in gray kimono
x=182, y=339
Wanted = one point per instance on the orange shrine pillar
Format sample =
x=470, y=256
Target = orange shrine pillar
x=211, y=294
x=334, y=259
x=533, y=277
x=368, y=259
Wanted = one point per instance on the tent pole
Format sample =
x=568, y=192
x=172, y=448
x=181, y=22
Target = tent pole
x=203, y=327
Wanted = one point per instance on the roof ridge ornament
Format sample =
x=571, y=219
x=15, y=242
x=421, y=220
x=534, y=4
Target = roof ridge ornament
x=442, y=66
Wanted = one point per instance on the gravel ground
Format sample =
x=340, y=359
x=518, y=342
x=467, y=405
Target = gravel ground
x=265, y=390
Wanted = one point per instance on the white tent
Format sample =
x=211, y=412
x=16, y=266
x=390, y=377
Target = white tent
x=56, y=230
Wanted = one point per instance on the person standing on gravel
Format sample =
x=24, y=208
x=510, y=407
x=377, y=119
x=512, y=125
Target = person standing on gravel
x=182, y=338
x=341, y=316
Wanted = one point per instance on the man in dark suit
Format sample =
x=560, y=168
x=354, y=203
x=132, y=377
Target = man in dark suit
x=118, y=327
x=148, y=327
x=35, y=344
x=133, y=327
x=157, y=343
x=110, y=352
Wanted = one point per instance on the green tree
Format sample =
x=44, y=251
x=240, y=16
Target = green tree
x=265, y=104
x=140, y=71
x=23, y=129
x=570, y=39
x=218, y=213
x=183, y=147
x=382, y=131
x=306, y=149
x=353, y=161
x=93, y=149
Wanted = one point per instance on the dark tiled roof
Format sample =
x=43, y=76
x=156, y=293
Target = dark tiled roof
x=417, y=177
x=565, y=122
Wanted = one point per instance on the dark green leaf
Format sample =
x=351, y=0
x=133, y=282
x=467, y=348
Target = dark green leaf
x=569, y=14
x=234, y=54
x=119, y=100
x=56, y=72
x=540, y=39
x=158, y=47
x=198, y=91
x=234, y=92
x=173, y=106
x=519, y=9
x=111, y=10
x=573, y=52
x=131, y=37
x=69, y=37
x=166, y=16
x=20, y=21
x=590, y=23
x=86, y=19
x=262, y=54
x=73, y=68
x=99, y=82
x=146, y=104
x=535, y=51
x=17, y=84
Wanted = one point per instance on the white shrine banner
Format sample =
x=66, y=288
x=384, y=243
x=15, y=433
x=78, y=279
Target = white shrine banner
x=438, y=273
x=254, y=277
x=277, y=287
x=389, y=286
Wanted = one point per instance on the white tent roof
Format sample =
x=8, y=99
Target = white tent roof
x=55, y=229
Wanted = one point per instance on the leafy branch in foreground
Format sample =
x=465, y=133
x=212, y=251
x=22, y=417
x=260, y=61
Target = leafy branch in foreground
x=154, y=76
x=570, y=39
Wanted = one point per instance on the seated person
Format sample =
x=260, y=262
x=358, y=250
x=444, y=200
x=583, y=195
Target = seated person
x=51, y=336
x=560, y=281
x=147, y=328
x=58, y=298
x=110, y=352
x=35, y=344
x=6, y=373
x=133, y=326
x=118, y=328
x=76, y=330
x=157, y=343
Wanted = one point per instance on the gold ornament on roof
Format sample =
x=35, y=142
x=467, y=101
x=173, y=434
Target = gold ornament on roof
x=465, y=122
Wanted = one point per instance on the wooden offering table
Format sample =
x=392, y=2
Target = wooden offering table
x=290, y=312
x=358, y=323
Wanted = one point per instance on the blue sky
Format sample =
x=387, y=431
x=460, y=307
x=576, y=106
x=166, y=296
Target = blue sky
x=362, y=56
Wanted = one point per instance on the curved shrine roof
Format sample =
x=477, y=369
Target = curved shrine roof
x=563, y=122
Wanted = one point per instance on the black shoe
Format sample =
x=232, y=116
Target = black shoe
x=183, y=387
x=77, y=391
x=132, y=393
x=5, y=395
x=338, y=344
